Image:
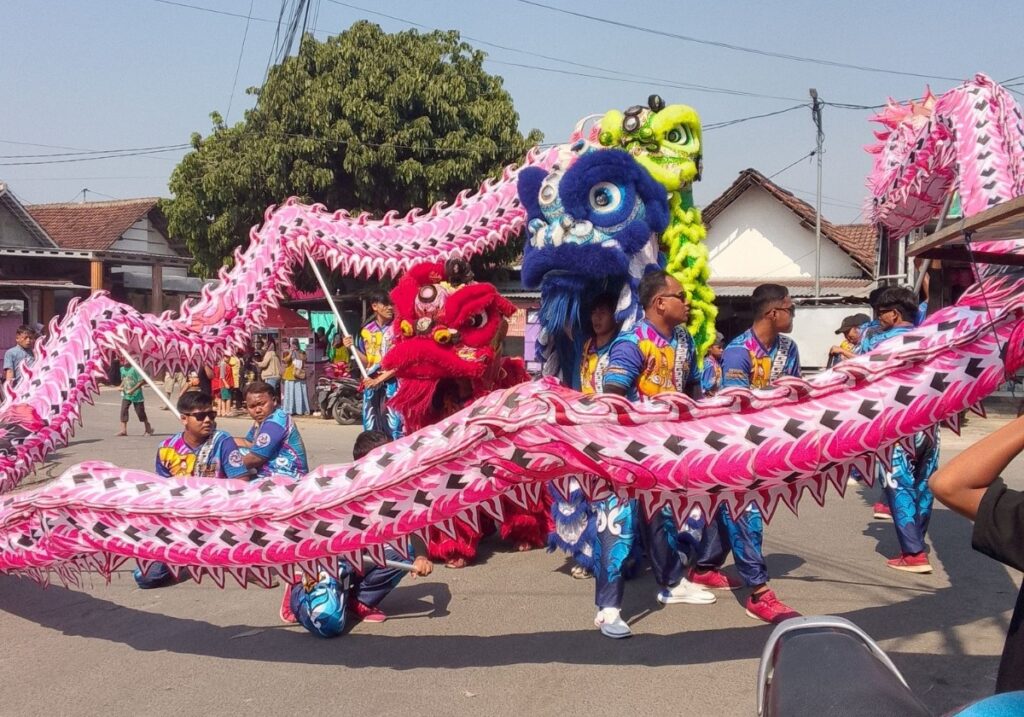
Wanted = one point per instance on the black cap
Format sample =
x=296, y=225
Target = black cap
x=852, y=321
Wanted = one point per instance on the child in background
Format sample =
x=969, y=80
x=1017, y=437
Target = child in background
x=131, y=396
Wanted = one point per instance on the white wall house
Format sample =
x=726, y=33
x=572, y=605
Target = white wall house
x=758, y=233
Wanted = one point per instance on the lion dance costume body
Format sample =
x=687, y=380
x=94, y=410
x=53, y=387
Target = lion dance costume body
x=447, y=353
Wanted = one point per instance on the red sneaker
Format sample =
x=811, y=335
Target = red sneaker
x=881, y=511
x=714, y=580
x=286, y=606
x=909, y=563
x=366, y=613
x=769, y=608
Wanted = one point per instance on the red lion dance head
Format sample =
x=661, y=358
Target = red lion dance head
x=448, y=333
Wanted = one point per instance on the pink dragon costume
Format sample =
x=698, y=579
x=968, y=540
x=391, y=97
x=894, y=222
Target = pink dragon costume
x=768, y=447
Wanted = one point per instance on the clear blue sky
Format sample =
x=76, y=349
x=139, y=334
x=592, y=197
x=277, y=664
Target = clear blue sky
x=114, y=74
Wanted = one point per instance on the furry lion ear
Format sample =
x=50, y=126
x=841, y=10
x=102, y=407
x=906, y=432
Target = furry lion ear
x=458, y=272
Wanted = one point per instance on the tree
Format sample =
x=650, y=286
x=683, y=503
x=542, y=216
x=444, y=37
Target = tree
x=365, y=121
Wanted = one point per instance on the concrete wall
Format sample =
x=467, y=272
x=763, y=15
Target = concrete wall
x=757, y=237
x=143, y=237
x=13, y=232
x=814, y=331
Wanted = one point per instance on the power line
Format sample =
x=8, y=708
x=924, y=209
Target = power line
x=729, y=123
x=91, y=158
x=736, y=48
x=161, y=147
x=793, y=164
x=553, y=58
x=238, y=66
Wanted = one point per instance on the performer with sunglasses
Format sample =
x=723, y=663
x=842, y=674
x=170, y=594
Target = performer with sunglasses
x=656, y=356
x=755, y=359
x=198, y=450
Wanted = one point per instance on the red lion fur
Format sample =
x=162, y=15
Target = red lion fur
x=447, y=352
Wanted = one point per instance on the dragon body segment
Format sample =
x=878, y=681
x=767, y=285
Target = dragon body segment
x=769, y=447
x=39, y=413
x=971, y=140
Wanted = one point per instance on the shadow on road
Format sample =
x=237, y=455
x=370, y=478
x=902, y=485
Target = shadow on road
x=980, y=590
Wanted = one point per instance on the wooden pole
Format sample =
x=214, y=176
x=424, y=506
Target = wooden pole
x=337, y=314
x=150, y=381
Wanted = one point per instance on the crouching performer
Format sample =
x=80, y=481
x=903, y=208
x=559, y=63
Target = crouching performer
x=324, y=606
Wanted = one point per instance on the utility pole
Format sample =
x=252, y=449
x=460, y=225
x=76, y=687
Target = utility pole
x=816, y=115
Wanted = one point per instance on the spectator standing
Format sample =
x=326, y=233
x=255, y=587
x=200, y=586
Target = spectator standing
x=175, y=384
x=19, y=355
x=296, y=402
x=270, y=366
x=850, y=329
x=131, y=397
x=711, y=376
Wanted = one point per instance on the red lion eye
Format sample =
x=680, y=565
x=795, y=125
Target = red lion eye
x=477, y=320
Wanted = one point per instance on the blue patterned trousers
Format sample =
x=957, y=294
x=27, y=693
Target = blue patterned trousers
x=906, y=490
x=743, y=536
x=619, y=524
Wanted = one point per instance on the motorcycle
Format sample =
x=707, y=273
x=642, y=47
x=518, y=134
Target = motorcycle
x=339, y=395
x=826, y=665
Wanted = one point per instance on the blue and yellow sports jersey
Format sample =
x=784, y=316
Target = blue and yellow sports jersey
x=748, y=363
x=593, y=366
x=278, y=441
x=645, y=363
x=218, y=457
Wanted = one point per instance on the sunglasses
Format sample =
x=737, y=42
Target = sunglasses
x=681, y=295
x=202, y=415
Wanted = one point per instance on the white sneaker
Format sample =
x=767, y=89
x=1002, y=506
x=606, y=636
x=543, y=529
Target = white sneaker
x=611, y=624
x=686, y=592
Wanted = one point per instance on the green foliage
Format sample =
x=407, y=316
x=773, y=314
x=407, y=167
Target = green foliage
x=365, y=121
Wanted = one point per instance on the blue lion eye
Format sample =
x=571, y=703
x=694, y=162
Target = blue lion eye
x=605, y=197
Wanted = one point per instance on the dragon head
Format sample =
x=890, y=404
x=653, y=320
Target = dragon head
x=594, y=224
x=666, y=140
x=448, y=332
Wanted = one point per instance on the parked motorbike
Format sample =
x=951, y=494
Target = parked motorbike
x=826, y=665
x=339, y=395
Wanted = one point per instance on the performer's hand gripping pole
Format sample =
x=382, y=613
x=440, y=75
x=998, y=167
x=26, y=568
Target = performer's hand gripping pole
x=147, y=379
x=337, y=314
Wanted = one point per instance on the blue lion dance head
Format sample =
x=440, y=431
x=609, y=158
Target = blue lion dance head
x=593, y=228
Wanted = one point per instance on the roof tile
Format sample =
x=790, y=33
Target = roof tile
x=90, y=226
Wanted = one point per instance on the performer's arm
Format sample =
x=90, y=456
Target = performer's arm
x=265, y=445
x=962, y=483
x=736, y=367
x=624, y=365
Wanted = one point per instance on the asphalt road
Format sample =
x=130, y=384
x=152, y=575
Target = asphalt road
x=512, y=635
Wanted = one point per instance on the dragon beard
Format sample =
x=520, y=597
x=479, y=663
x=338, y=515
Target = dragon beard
x=560, y=345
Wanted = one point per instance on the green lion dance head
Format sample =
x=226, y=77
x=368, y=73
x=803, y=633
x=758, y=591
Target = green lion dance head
x=666, y=140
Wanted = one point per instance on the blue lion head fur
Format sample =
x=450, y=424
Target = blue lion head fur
x=592, y=228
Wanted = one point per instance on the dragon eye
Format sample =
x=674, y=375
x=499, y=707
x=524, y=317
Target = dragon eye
x=548, y=193
x=605, y=197
x=678, y=135
x=477, y=320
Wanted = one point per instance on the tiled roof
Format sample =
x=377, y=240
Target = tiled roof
x=857, y=240
x=798, y=286
x=90, y=226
